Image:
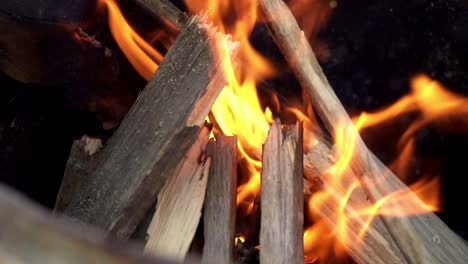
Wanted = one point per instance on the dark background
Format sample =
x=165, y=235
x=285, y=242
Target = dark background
x=375, y=47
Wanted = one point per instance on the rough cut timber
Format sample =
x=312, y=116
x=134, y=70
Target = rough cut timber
x=83, y=158
x=376, y=246
x=282, y=198
x=156, y=133
x=30, y=234
x=421, y=238
x=220, y=203
x=180, y=203
x=166, y=10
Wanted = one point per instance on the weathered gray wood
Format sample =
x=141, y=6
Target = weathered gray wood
x=282, y=198
x=30, y=234
x=83, y=158
x=158, y=130
x=220, y=202
x=166, y=10
x=180, y=203
x=377, y=245
x=422, y=238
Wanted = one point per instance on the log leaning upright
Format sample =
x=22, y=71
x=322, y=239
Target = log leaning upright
x=158, y=130
x=282, y=198
x=421, y=238
x=220, y=202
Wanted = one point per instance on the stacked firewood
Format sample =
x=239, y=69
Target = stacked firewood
x=162, y=154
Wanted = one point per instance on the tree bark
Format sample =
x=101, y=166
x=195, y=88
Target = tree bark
x=158, y=130
x=282, y=198
x=220, y=202
x=422, y=238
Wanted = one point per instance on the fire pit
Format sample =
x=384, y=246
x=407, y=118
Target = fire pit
x=236, y=147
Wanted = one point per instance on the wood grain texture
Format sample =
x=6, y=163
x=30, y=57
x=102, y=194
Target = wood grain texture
x=156, y=133
x=180, y=204
x=377, y=245
x=166, y=10
x=30, y=234
x=83, y=158
x=220, y=202
x=282, y=198
x=422, y=238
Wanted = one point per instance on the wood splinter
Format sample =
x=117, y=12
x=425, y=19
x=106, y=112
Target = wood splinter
x=282, y=198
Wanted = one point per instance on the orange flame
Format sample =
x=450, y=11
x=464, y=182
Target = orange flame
x=434, y=104
x=239, y=112
x=431, y=99
x=143, y=57
x=239, y=239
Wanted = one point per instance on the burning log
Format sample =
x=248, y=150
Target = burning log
x=422, y=238
x=166, y=10
x=282, y=199
x=220, y=203
x=29, y=234
x=180, y=204
x=158, y=130
x=83, y=158
x=375, y=245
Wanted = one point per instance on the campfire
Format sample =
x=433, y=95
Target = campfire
x=211, y=164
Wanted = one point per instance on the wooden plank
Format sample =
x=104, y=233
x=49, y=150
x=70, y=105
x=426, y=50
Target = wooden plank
x=30, y=234
x=83, y=158
x=282, y=198
x=422, y=238
x=220, y=202
x=158, y=130
x=180, y=202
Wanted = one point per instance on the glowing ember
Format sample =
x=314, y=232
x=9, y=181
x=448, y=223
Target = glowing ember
x=239, y=239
